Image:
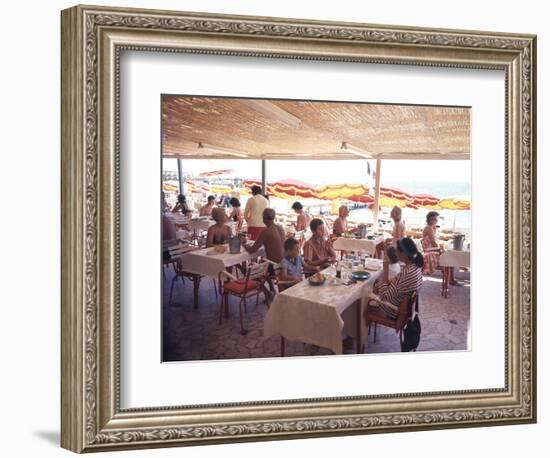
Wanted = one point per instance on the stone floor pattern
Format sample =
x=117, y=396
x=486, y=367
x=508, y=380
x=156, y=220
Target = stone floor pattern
x=194, y=334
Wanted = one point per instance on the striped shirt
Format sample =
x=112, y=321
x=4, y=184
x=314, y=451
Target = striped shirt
x=402, y=285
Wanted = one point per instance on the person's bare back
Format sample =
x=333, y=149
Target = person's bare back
x=272, y=239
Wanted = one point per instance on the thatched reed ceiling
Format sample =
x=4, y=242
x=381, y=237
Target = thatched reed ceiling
x=390, y=131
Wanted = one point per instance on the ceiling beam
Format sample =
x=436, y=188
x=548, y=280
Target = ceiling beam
x=272, y=111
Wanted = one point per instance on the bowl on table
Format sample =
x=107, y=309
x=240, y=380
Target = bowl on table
x=317, y=279
x=360, y=275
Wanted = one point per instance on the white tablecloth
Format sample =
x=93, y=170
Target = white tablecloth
x=201, y=224
x=198, y=262
x=455, y=258
x=353, y=244
x=318, y=315
x=178, y=218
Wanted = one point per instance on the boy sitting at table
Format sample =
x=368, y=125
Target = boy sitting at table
x=293, y=266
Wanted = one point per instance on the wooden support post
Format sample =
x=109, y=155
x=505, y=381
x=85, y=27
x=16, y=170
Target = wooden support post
x=376, y=194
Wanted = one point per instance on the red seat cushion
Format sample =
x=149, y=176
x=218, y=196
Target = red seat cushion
x=239, y=286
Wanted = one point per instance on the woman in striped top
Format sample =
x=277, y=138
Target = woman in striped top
x=409, y=279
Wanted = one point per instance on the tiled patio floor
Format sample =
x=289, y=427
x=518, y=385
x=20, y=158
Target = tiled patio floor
x=194, y=334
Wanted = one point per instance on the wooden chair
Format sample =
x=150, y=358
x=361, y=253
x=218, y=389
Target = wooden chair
x=374, y=313
x=166, y=258
x=198, y=238
x=251, y=285
x=278, y=284
x=176, y=252
x=429, y=249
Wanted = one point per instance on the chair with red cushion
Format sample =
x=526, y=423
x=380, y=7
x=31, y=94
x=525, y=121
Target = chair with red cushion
x=251, y=285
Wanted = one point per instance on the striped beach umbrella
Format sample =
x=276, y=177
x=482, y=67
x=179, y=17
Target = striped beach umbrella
x=423, y=201
x=340, y=191
x=455, y=203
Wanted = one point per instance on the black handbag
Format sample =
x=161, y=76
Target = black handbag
x=412, y=331
x=411, y=334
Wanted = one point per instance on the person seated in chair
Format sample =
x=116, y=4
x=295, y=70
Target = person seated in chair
x=206, y=210
x=292, y=266
x=340, y=225
x=391, y=291
x=272, y=238
x=220, y=232
x=181, y=206
x=318, y=250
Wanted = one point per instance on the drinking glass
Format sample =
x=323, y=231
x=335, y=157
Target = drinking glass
x=345, y=276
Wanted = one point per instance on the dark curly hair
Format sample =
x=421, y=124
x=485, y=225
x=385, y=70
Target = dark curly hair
x=234, y=202
x=431, y=215
x=315, y=223
x=409, y=249
x=290, y=243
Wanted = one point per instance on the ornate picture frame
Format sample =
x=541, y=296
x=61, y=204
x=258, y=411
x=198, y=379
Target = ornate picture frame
x=92, y=40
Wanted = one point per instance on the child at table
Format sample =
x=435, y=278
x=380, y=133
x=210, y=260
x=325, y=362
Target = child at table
x=292, y=267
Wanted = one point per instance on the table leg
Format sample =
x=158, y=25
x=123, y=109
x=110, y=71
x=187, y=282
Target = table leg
x=196, y=283
x=282, y=346
x=445, y=283
x=443, y=274
x=359, y=326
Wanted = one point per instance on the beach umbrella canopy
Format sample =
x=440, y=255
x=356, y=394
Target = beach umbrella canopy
x=340, y=191
x=455, y=203
x=170, y=186
x=247, y=185
x=220, y=189
x=285, y=189
x=424, y=201
x=292, y=188
x=364, y=199
x=393, y=197
x=196, y=186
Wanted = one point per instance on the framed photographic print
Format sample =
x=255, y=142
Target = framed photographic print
x=278, y=228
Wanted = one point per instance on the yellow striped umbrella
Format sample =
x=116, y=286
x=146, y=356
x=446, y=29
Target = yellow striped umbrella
x=455, y=203
x=340, y=191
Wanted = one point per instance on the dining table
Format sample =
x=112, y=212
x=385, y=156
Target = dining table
x=448, y=260
x=321, y=315
x=367, y=244
x=200, y=224
x=206, y=262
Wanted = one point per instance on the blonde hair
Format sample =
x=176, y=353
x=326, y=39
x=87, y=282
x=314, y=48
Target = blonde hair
x=217, y=214
x=341, y=210
x=397, y=211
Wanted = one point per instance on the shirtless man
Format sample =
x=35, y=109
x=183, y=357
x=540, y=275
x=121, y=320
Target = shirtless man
x=206, y=210
x=272, y=238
